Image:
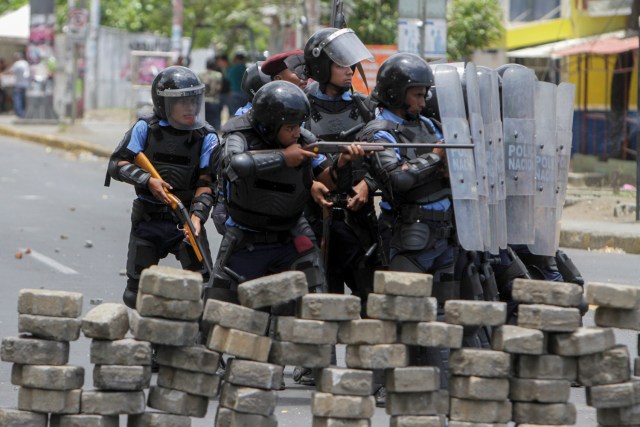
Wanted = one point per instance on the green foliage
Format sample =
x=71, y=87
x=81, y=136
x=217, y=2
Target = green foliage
x=9, y=5
x=375, y=21
x=472, y=24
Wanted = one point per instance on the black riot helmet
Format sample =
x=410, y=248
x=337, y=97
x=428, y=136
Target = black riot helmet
x=398, y=73
x=253, y=79
x=332, y=45
x=179, y=87
x=275, y=104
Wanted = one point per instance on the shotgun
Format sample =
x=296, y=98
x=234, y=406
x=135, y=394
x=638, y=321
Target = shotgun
x=340, y=147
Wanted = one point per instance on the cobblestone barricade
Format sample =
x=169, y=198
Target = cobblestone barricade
x=524, y=378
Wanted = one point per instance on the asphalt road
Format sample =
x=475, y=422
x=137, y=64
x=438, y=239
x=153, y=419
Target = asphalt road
x=55, y=205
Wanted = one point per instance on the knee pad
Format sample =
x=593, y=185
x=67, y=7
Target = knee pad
x=142, y=254
x=310, y=264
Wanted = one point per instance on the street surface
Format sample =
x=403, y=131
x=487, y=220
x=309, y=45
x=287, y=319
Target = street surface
x=76, y=229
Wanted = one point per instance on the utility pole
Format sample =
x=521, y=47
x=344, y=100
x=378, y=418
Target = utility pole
x=176, y=29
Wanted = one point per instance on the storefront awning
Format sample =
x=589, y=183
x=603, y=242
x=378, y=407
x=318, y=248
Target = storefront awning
x=551, y=50
x=603, y=46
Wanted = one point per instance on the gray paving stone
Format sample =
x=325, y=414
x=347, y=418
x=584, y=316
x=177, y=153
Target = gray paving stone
x=247, y=373
x=84, y=420
x=248, y=400
x=422, y=403
x=339, y=422
x=479, y=388
x=563, y=294
x=106, y=321
x=112, y=402
x=17, y=418
x=401, y=308
x=612, y=295
x=549, y=318
x=170, y=282
x=614, y=395
x=168, y=308
x=608, y=367
x=121, y=377
x=469, y=424
x=617, y=417
x=481, y=363
x=240, y=344
x=229, y=418
x=126, y=351
x=517, y=340
x=53, y=401
x=336, y=406
x=329, y=307
x=616, y=318
x=163, y=331
x=547, y=366
x=304, y=331
x=235, y=316
x=418, y=421
x=540, y=391
x=412, y=379
x=431, y=334
x=195, y=358
x=177, y=402
x=354, y=382
x=190, y=382
x=475, y=313
x=292, y=354
x=367, y=332
x=480, y=411
x=49, y=327
x=33, y=351
x=274, y=289
x=381, y=356
x=64, y=377
x=582, y=342
x=401, y=283
x=544, y=413
x=47, y=302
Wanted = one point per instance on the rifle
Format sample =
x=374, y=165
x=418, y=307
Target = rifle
x=340, y=147
x=179, y=209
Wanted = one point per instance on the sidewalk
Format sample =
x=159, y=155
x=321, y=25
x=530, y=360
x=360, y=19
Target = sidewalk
x=101, y=131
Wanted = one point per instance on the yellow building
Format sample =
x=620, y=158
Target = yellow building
x=584, y=42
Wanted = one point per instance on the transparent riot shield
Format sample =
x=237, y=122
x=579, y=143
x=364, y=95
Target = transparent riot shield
x=546, y=171
x=488, y=82
x=461, y=166
x=476, y=125
x=518, y=95
x=564, y=124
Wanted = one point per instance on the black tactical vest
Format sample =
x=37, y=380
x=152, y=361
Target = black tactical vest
x=331, y=117
x=267, y=203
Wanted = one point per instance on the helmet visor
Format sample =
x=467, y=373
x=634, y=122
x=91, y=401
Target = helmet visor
x=184, y=107
x=296, y=64
x=345, y=48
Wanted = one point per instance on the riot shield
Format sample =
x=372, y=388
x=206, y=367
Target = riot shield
x=461, y=166
x=564, y=124
x=546, y=171
x=476, y=125
x=488, y=82
x=518, y=95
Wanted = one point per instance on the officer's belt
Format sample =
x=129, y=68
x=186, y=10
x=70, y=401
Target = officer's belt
x=267, y=236
x=415, y=213
x=152, y=211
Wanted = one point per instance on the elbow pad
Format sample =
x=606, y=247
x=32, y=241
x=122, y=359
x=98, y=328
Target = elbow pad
x=245, y=164
x=201, y=206
x=132, y=174
x=420, y=169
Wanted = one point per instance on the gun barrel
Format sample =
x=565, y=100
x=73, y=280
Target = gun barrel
x=340, y=147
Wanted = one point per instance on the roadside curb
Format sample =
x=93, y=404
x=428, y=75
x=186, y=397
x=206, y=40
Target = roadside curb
x=589, y=240
x=55, y=141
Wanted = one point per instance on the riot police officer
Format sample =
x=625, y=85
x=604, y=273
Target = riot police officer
x=252, y=80
x=179, y=143
x=416, y=192
x=337, y=114
x=268, y=176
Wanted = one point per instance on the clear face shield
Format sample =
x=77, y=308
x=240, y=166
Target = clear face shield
x=184, y=107
x=344, y=48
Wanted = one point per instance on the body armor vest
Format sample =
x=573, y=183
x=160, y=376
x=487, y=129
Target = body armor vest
x=176, y=156
x=331, y=117
x=267, y=203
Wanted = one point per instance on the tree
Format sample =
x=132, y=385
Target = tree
x=472, y=24
x=375, y=21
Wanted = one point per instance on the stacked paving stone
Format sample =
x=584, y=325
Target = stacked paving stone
x=403, y=301
x=248, y=396
x=48, y=321
x=167, y=314
x=121, y=369
x=607, y=375
x=479, y=378
x=548, y=343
